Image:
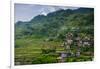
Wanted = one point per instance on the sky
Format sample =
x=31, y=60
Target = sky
x=25, y=12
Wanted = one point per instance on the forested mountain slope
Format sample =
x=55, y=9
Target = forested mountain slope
x=57, y=23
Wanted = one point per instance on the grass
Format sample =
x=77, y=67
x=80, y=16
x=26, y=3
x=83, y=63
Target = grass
x=28, y=51
x=31, y=48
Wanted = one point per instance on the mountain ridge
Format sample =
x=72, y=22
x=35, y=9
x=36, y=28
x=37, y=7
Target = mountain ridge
x=51, y=24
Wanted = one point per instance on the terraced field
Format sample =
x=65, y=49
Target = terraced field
x=30, y=52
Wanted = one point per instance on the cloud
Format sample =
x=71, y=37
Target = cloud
x=47, y=9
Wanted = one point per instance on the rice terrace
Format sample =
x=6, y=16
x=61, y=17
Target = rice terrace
x=53, y=34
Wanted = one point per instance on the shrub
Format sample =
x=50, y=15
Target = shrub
x=44, y=59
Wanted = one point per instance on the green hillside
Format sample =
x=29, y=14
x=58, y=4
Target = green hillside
x=39, y=40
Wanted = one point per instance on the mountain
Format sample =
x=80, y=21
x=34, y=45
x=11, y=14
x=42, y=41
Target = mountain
x=58, y=23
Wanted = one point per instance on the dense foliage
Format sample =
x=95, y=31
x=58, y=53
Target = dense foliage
x=57, y=23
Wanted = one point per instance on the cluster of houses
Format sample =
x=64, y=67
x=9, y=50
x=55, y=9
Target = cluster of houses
x=69, y=41
x=78, y=41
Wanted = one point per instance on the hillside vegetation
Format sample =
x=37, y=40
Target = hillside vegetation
x=39, y=40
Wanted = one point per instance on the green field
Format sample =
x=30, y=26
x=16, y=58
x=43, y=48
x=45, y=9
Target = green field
x=30, y=52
